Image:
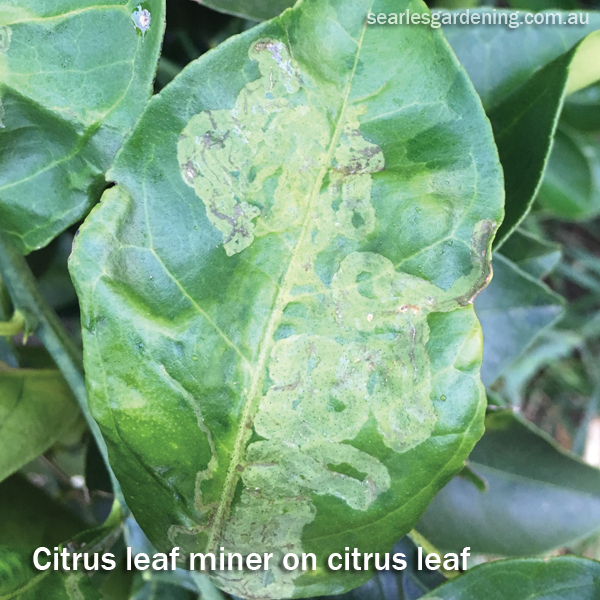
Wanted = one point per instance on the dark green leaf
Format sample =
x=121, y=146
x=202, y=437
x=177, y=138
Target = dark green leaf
x=30, y=518
x=55, y=282
x=522, y=99
x=234, y=324
x=552, y=346
x=36, y=409
x=539, y=497
x=250, y=9
x=73, y=78
x=19, y=580
x=538, y=5
x=157, y=590
x=513, y=310
x=518, y=52
x=531, y=254
x=524, y=127
x=571, y=185
x=582, y=109
x=409, y=584
x=563, y=578
x=118, y=584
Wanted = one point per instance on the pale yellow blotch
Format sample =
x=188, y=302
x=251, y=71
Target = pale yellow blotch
x=316, y=402
x=231, y=157
x=134, y=400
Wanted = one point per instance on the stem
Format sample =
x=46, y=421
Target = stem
x=39, y=317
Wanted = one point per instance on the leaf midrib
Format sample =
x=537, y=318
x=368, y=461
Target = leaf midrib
x=253, y=397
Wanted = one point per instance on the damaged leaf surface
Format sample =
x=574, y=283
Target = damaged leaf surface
x=276, y=294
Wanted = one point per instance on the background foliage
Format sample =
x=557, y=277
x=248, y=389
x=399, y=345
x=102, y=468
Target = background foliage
x=530, y=488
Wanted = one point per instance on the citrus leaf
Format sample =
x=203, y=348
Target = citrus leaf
x=539, y=497
x=409, y=584
x=532, y=254
x=571, y=186
x=513, y=310
x=257, y=10
x=566, y=577
x=276, y=294
x=36, y=409
x=582, y=109
x=518, y=52
x=156, y=590
x=523, y=90
x=19, y=580
x=30, y=518
x=73, y=78
x=585, y=68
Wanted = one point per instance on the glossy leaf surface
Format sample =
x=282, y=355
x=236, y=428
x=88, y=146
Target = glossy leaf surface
x=538, y=496
x=276, y=316
x=513, y=310
x=73, y=78
x=564, y=578
x=522, y=90
x=36, y=409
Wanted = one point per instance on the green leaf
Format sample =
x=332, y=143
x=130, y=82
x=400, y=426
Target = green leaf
x=250, y=9
x=409, y=584
x=73, y=78
x=552, y=346
x=30, y=518
x=118, y=584
x=519, y=52
x=286, y=232
x=539, y=497
x=19, y=580
x=585, y=68
x=532, y=254
x=564, y=578
x=157, y=590
x=571, y=186
x=523, y=98
x=539, y=5
x=55, y=283
x=582, y=109
x=513, y=310
x=36, y=409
